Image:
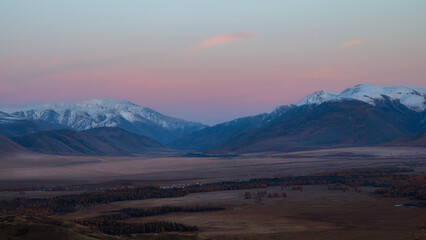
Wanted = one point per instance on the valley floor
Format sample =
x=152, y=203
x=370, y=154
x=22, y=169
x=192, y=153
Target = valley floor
x=316, y=212
x=54, y=170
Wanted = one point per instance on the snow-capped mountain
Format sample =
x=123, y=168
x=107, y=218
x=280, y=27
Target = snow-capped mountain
x=364, y=115
x=108, y=113
x=321, y=119
x=413, y=97
x=5, y=117
x=11, y=125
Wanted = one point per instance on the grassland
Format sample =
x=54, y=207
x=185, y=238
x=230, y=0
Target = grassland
x=53, y=170
x=317, y=212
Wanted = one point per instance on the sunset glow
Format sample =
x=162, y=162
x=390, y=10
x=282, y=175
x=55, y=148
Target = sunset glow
x=205, y=61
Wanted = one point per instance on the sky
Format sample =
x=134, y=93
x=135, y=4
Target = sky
x=206, y=61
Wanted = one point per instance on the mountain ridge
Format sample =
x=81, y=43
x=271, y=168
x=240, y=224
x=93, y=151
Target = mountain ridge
x=331, y=124
x=7, y=146
x=97, y=141
x=393, y=110
x=108, y=113
x=363, y=115
x=413, y=97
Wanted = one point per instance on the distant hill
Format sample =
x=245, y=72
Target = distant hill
x=9, y=146
x=220, y=134
x=97, y=141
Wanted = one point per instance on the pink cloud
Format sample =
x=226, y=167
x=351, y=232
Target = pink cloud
x=222, y=39
x=354, y=42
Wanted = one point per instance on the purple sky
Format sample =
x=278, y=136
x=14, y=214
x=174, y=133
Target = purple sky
x=207, y=61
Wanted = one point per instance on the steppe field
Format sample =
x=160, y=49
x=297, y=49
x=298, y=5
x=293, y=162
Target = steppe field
x=172, y=169
x=321, y=211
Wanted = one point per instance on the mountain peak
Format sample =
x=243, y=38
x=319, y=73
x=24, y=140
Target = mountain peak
x=413, y=97
x=96, y=113
x=317, y=98
x=84, y=105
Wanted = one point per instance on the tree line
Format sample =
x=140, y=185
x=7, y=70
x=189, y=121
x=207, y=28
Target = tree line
x=113, y=223
x=124, y=228
x=393, y=182
x=127, y=213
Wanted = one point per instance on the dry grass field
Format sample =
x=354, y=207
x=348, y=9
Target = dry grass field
x=68, y=170
x=314, y=213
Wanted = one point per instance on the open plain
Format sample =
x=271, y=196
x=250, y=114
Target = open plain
x=314, y=212
x=175, y=168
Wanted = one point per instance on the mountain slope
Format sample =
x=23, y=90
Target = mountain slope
x=417, y=139
x=9, y=146
x=11, y=126
x=109, y=113
x=317, y=98
x=331, y=124
x=363, y=115
x=218, y=135
x=98, y=141
x=412, y=97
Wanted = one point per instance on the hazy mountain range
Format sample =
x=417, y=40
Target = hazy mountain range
x=106, y=113
x=364, y=115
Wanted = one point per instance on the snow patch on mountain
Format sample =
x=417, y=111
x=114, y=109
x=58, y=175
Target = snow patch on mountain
x=5, y=118
x=413, y=97
x=317, y=98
